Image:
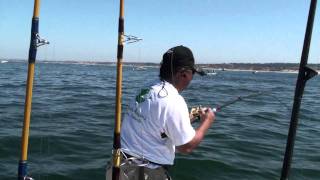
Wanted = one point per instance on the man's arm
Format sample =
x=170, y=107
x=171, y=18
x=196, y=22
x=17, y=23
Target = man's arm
x=207, y=117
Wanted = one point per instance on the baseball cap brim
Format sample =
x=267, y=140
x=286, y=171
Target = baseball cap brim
x=198, y=71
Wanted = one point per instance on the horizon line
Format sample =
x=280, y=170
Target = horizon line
x=141, y=62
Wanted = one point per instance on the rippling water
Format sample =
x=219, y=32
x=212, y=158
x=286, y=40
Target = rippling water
x=73, y=115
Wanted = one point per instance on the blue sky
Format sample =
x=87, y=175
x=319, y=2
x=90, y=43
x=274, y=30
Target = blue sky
x=218, y=31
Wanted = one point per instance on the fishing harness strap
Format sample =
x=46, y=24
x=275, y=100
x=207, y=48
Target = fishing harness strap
x=141, y=162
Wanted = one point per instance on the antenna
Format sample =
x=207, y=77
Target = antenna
x=131, y=39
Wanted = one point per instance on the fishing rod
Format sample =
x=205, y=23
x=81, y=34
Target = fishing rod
x=122, y=38
x=195, y=110
x=35, y=42
x=305, y=73
x=116, y=137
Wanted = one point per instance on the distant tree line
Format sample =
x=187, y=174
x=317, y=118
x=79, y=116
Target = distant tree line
x=260, y=66
x=244, y=66
x=240, y=66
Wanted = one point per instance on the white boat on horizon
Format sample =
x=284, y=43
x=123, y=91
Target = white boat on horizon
x=139, y=68
x=210, y=72
x=3, y=61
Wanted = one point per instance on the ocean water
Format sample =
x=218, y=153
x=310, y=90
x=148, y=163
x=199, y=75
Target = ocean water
x=73, y=116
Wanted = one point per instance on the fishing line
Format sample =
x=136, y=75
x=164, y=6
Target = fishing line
x=279, y=101
x=195, y=110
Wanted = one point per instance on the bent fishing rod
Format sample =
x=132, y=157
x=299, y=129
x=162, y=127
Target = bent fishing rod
x=305, y=73
x=195, y=110
x=35, y=42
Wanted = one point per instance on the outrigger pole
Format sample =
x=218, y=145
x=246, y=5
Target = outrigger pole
x=35, y=42
x=305, y=73
x=117, y=128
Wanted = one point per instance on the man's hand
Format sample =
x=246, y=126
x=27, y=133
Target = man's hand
x=206, y=114
x=207, y=117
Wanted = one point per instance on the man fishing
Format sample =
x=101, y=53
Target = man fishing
x=157, y=122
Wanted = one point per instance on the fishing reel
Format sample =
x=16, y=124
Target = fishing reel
x=195, y=112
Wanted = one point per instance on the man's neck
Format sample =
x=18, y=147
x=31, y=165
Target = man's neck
x=175, y=84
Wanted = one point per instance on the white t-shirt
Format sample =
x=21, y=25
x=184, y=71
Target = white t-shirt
x=156, y=122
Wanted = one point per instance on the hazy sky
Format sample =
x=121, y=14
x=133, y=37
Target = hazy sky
x=218, y=31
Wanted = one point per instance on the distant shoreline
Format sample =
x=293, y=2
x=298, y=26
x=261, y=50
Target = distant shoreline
x=259, y=67
x=263, y=71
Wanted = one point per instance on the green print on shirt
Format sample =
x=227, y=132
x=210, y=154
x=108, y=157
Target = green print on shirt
x=142, y=96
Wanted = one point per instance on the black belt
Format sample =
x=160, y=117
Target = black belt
x=165, y=166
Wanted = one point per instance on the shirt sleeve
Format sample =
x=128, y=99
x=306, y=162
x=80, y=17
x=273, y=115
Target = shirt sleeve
x=178, y=125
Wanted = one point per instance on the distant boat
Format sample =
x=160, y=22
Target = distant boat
x=139, y=68
x=3, y=61
x=210, y=72
x=254, y=72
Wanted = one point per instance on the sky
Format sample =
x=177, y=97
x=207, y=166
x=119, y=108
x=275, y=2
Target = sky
x=217, y=31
